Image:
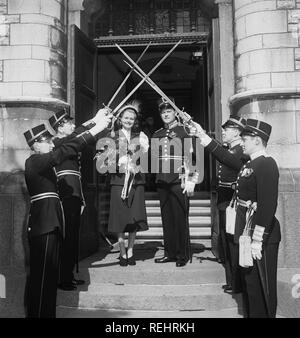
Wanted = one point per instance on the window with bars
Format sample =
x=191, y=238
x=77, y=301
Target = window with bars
x=137, y=17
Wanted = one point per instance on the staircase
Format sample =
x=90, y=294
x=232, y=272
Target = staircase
x=199, y=219
x=149, y=290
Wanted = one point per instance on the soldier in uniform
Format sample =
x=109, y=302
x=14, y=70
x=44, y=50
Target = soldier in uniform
x=257, y=188
x=46, y=221
x=70, y=192
x=231, y=130
x=256, y=194
x=173, y=192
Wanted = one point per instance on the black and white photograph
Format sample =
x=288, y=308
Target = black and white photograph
x=149, y=162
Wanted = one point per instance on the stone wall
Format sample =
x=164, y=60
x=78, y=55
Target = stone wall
x=267, y=44
x=33, y=74
x=267, y=77
x=33, y=48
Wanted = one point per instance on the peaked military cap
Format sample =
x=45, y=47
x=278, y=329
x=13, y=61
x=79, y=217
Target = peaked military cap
x=257, y=128
x=163, y=104
x=59, y=117
x=37, y=134
x=235, y=121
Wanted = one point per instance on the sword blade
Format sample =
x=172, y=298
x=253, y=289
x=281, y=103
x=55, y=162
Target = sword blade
x=127, y=76
x=154, y=86
x=146, y=75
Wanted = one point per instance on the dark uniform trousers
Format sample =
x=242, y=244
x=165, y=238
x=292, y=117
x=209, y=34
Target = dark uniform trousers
x=69, y=251
x=46, y=226
x=227, y=175
x=254, y=297
x=43, y=277
x=174, y=210
x=231, y=255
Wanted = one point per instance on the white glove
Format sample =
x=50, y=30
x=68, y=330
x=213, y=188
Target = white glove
x=101, y=113
x=102, y=120
x=256, y=248
x=144, y=142
x=196, y=129
x=189, y=188
x=122, y=160
x=199, y=132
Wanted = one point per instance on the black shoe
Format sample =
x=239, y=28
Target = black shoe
x=226, y=286
x=123, y=261
x=67, y=286
x=181, y=262
x=234, y=291
x=131, y=260
x=164, y=260
x=78, y=281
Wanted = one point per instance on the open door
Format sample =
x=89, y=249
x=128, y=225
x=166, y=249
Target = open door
x=214, y=122
x=82, y=97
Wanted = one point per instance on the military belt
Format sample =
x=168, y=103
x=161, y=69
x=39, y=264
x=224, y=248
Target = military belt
x=246, y=204
x=42, y=196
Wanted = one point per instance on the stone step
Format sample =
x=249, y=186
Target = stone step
x=200, y=195
x=193, y=211
x=157, y=232
x=205, y=242
x=160, y=274
x=193, y=203
x=71, y=312
x=194, y=221
x=138, y=290
x=145, y=297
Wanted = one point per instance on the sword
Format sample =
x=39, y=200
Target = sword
x=264, y=282
x=185, y=117
x=144, y=79
x=127, y=76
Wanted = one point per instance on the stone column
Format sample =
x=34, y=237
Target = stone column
x=77, y=15
x=32, y=86
x=226, y=55
x=267, y=80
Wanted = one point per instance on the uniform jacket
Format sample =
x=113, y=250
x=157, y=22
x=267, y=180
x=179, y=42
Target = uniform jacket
x=258, y=184
x=70, y=184
x=169, y=157
x=122, y=147
x=226, y=174
x=46, y=214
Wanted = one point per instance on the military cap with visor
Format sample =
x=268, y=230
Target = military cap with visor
x=61, y=116
x=37, y=134
x=164, y=104
x=257, y=128
x=235, y=122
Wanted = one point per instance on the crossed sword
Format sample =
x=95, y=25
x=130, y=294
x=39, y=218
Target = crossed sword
x=186, y=118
